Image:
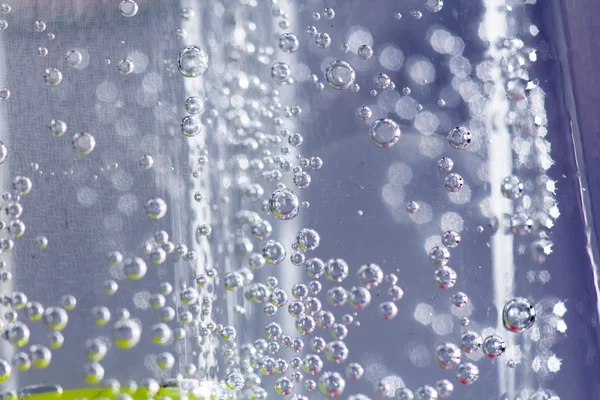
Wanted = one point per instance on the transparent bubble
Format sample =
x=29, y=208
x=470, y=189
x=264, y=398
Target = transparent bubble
x=308, y=239
x=447, y=355
x=382, y=81
x=284, y=204
x=412, y=207
x=135, y=268
x=426, y=393
x=192, y=61
x=521, y=224
x=512, y=187
x=57, y=127
x=288, y=43
x=73, y=58
x=359, y=297
x=444, y=388
x=365, y=52
x=384, y=132
x=84, y=143
x=336, y=270
x=22, y=185
x=125, y=66
x=56, y=318
x=39, y=26
x=52, y=76
x=273, y=252
x=191, y=126
x=460, y=299
x=453, y=182
x=126, y=334
x=439, y=256
x=262, y=229
x=281, y=72
x=156, y=208
x=165, y=360
x=40, y=356
x=444, y=277
x=332, y=384
x=450, y=239
x=93, y=373
x=494, y=346
x=194, y=105
x=445, y=164
x=328, y=13
x=467, y=373
x=322, y=40
x=434, y=5
x=370, y=275
x=518, y=314
x=459, y=137
x=387, y=310
x=3, y=25
x=340, y=75
x=403, y=394
x=18, y=334
x=364, y=112
x=128, y=8
x=4, y=93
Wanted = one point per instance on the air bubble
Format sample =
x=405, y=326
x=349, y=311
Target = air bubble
x=340, y=75
x=192, y=61
x=384, y=132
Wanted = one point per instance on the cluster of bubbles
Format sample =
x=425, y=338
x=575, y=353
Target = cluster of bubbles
x=267, y=151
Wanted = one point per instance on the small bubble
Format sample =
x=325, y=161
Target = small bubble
x=459, y=137
x=328, y=13
x=453, y=182
x=382, y=81
x=322, y=40
x=128, y=8
x=283, y=204
x=467, y=373
x=512, y=187
x=3, y=24
x=412, y=207
x=39, y=26
x=494, y=346
x=192, y=61
x=73, y=58
x=281, y=72
x=384, y=132
x=518, y=314
x=84, y=143
x=125, y=66
x=191, y=126
x=288, y=43
x=444, y=277
x=4, y=93
x=365, y=52
x=434, y=5
x=156, y=208
x=52, y=76
x=450, y=239
x=445, y=164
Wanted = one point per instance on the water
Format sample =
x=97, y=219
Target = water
x=193, y=199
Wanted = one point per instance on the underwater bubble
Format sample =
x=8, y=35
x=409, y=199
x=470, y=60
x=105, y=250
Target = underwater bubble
x=494, y=346
x=322, y=40
x=359, y=297
x=387, y=310
x=332, y=384
x=450, y=239
x=128, y=8
x=434, y=5
x=460, y=299
x=57, y=127
x=444, y=277
x=135, y=268
x=340, y=75
x=439, y=256
x=84, y=143
x=4, y=93
x=470, y=342
x=426, y=393
x=445, y=164
x=125, y=66
x=444, y=388
x=288, y=43
x=447, y=355
x=192, y=61
x=453, y=182
x=382, y=81
x=156, y=208
x=364, y=112
x=284, y=204
x=467, y=373
x=365, y=52
x=281, y=72
x=521, y=224
x=403, y=394
x=52, y=76
x=370, y=275
x=336, y=270
x=459, y=137
x=194, y=105
x=412, y=207
x=518, y=314
x=73, y=58
x=384, y=132
x=126, y=334
x=273, y=252
x=191, y=126
x=3, y=24
x=308, y=239
x=512, y=187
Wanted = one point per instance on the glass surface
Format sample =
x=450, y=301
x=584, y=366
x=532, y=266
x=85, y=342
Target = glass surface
x=307, y=199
